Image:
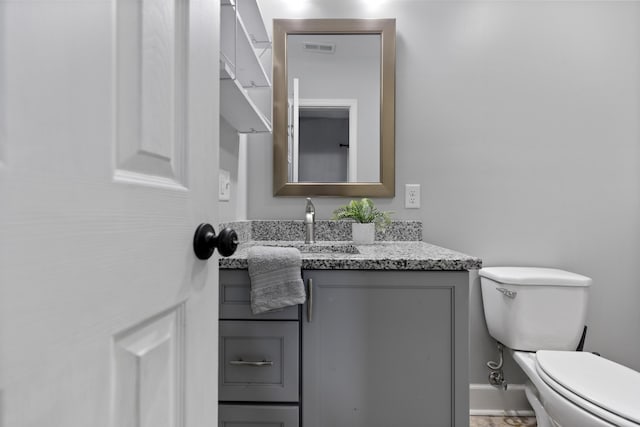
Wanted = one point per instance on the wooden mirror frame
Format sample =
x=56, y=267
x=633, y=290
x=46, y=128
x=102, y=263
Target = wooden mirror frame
x=386, y=28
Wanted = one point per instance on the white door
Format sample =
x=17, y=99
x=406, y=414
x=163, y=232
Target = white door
x=108, y=162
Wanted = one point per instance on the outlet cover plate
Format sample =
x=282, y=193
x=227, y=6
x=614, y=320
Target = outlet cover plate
x=412, y=196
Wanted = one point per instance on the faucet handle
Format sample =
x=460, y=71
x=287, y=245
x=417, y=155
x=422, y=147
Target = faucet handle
x=310, y=208
x=309, y=221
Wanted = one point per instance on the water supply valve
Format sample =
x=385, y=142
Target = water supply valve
x=496, y=373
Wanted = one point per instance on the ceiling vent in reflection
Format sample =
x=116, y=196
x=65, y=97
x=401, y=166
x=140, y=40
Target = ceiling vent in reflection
x=319, y=47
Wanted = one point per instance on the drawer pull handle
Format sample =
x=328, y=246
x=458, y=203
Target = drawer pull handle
x=250, y=363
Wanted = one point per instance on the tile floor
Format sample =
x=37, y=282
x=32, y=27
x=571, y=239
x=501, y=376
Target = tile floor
x=506, y=421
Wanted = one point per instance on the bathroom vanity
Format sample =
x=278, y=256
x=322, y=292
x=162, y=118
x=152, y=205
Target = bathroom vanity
x=382, y=340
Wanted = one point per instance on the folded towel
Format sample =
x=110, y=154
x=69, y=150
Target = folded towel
x=276, y=279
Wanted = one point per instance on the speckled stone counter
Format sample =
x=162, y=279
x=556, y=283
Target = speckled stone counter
x=382, y=255
x=399, y=248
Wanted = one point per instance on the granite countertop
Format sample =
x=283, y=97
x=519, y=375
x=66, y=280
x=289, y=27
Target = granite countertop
x=382, y=255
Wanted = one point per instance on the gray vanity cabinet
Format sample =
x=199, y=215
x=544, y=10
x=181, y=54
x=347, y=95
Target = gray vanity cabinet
x=373, y=348
x=385, y=348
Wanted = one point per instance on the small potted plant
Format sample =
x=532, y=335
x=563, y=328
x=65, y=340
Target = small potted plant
x=367, y=219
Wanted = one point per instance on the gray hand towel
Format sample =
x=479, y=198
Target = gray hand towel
x=276, y=280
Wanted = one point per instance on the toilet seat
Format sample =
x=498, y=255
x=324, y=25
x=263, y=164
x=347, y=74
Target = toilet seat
x=595, y=384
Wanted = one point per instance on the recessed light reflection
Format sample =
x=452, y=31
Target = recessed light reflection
x=373, y=5
x=298, y=5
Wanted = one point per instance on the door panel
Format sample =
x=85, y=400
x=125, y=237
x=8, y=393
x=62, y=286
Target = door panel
x=103, y=180
x=149, y=372
x=150, y=52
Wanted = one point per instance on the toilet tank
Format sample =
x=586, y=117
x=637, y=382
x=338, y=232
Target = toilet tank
x=534, y=309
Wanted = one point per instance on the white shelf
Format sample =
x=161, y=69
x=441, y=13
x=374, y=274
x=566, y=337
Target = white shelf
x=239, y=110
x=249, y=70
x=252, y=18
x=237, y=50
x=228, y=34
x=241, y=69
x=225, y=70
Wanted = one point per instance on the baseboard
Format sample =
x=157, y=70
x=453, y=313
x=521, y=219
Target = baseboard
x=485, y=399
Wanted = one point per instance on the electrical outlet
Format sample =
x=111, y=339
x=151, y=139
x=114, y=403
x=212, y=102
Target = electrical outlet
x=412, y=196
x=224, y=181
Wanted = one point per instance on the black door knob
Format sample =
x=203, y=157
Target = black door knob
x=205, y=241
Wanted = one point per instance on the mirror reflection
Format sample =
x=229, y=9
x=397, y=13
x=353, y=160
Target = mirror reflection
x=334, y=107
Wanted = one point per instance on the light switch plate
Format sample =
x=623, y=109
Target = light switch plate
x=224, y=192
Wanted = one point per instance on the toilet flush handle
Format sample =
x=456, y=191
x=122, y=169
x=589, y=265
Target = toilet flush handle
x=507, y=292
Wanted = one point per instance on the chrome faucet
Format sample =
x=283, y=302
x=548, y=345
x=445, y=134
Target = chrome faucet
x=309, y=222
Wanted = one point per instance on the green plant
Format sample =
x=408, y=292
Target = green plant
x=363, y=211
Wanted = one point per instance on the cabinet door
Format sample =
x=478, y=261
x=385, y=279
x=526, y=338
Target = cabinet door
x=235, y=299
x=259, y=361
x=386, y=349
x=258, y=416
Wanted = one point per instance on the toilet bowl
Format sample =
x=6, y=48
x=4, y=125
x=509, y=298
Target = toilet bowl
x=580, y=389
x=539, y=313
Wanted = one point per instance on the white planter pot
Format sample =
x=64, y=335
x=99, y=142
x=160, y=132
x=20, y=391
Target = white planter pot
x=363, y=234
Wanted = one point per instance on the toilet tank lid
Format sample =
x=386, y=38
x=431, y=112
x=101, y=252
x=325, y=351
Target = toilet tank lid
x=534, y=276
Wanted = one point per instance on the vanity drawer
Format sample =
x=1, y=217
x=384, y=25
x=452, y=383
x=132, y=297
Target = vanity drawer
x=258, y=416
x=235, y=301
x=259, y=361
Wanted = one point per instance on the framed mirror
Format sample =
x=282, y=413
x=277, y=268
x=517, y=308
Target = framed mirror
x=334, y=107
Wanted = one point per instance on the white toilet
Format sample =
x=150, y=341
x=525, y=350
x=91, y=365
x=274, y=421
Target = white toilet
x=539, y=314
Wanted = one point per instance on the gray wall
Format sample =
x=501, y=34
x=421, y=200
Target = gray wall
x=521, y=122
x=230, y=160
